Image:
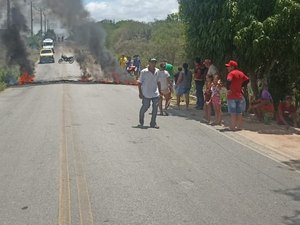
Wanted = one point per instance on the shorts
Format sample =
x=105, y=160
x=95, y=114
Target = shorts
x=216, y=100
x=236, y=106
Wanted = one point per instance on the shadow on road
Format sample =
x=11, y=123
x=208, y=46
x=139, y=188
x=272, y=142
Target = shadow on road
x=294, y=193
x=248, y=122
x=295, y=164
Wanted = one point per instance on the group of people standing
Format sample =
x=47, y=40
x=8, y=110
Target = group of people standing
x=131, y=64
x=156, y=84
x=208, y=87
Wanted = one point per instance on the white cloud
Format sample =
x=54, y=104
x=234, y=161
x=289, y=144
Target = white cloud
x=138, y=10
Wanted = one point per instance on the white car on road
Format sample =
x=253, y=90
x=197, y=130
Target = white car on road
x=46, y=56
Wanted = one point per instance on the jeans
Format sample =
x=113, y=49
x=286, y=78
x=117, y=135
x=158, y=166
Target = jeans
x=236, y=106
x=199, y=93
x=145, y=106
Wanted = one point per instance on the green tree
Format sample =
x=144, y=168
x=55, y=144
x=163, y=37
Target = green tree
x=169, y=40
x=263, y=35
x=208, y=29
x=163, y=39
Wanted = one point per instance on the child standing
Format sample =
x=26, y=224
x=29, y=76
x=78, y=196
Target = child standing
x=216, y=99
x=207, y=98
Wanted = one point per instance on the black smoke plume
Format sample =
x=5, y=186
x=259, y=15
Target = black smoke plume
x=85, y=32
x=15, y=46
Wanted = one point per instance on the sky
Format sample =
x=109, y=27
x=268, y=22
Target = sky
x=138, y=10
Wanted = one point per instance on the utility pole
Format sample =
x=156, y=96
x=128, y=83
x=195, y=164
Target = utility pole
x=41, y=14
x=45, y=22
x=8, y=14
x=31, y=19
x=48, y=25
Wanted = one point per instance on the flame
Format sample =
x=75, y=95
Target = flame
x=86, y=77
x=25, y=78
x=118, y=80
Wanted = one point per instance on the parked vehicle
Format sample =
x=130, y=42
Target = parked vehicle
x=48, y=43
x=66, y=59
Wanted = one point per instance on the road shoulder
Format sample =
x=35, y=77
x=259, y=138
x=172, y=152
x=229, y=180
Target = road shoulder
x=272, y=140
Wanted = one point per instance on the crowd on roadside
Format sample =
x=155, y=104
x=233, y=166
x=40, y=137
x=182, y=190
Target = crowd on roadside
x=156, y=85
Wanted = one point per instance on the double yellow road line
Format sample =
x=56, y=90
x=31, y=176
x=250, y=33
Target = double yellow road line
x=68, y=148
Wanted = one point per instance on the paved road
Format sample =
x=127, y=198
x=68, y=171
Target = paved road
x=71, y=154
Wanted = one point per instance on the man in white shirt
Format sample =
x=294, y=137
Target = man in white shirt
x=149, y=91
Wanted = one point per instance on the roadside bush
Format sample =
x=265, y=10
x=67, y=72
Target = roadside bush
x=2, y=86
x=8, y=76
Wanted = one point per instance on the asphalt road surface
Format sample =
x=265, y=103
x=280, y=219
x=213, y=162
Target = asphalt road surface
x=71, y=154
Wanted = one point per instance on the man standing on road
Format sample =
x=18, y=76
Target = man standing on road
x=149, y=91
x=137, y=65
x=236, y=80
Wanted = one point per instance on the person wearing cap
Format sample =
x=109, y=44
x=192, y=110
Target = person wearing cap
x=287, y=113
x=149, y=91
x=236, y=80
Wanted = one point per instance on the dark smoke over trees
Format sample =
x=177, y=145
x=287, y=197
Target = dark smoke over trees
x=12, y=39
x=94, y=39
x=84, y=32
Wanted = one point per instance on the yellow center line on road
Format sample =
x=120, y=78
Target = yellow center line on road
x=84, y=204
x=85, y=209
x=64, y=213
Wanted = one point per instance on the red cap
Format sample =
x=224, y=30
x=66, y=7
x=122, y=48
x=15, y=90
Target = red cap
x=231, y=63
